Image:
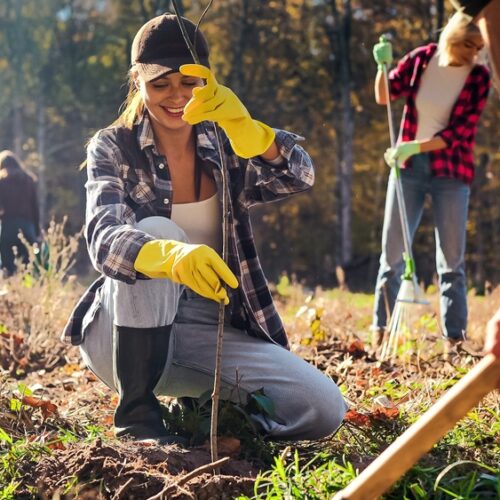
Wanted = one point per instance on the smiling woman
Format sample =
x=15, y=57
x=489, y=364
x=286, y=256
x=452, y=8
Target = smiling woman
x=166, y=96
x=153, y=227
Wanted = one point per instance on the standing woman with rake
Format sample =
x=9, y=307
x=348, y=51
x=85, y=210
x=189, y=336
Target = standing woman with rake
x=445, y=91
x=149, y=325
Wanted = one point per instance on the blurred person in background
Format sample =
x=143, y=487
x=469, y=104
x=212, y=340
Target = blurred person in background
x=18, y=210
x=445, y=89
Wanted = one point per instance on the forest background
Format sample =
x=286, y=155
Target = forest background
x=301, y=65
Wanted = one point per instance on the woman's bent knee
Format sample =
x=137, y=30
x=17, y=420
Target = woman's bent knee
x=327, y=414
x=162, y=228
x=314, y=414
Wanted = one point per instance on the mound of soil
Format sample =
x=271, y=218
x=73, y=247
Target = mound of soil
x=134, y=471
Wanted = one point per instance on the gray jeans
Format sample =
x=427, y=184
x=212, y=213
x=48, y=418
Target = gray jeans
x=308, y=404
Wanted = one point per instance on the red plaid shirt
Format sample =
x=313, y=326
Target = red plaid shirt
x=456, y=160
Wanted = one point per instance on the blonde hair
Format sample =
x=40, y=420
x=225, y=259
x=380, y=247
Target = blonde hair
x=133, y=106
x=458, y=29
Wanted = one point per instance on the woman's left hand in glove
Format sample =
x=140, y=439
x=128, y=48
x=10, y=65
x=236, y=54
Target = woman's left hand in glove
x=219, y=104
x=401, y=153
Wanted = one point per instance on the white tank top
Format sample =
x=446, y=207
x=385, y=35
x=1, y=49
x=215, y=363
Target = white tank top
x=201, y=221
x=439, y=89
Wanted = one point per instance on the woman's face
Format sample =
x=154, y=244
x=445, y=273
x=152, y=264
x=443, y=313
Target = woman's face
x=465, y=51
x=166, y=97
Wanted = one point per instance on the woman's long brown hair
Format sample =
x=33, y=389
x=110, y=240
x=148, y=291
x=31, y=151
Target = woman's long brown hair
x=11, y=164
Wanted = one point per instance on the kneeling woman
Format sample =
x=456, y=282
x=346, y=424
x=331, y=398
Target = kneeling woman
x=153, y=227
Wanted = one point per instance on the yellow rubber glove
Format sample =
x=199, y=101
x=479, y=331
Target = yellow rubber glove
x=199, y=267
x=219, y=104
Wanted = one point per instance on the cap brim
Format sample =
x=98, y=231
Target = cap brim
x=153, y=70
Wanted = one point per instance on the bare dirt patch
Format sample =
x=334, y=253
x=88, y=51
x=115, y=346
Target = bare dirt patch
x=129, y=470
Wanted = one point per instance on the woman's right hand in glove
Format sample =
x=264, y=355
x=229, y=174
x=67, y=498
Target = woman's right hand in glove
x=198, y=267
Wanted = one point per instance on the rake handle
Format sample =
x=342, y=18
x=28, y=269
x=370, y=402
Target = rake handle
x=399, y=186
x=392, y=135
x=381, y=474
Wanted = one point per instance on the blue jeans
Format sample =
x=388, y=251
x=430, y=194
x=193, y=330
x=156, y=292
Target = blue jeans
x=450, y=201
x=9, y=238
x=308, y=404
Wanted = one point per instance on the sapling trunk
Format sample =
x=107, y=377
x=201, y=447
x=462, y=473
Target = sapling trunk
x=225, y=232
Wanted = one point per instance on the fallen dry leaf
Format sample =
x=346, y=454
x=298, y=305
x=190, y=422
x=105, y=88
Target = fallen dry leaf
x=47, y=408
x=357, y=418
x=361, y=382
x=23, y=362
x=385, y=413
x=56, y=445
x=108, y=420
x=356, y=347
x=18, y=338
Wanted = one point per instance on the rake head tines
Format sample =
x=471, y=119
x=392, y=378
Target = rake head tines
x=410, y=292
x=399, y=328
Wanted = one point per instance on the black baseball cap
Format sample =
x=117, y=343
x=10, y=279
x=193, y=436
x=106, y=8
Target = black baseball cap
x=159, y=47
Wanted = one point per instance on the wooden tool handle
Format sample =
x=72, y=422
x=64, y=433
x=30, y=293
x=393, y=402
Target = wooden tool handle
x=381, y=474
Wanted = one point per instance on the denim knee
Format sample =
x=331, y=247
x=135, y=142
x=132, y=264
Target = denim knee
x=331, y=414
x=153, y=302
x=162, y=228
x=324, y=413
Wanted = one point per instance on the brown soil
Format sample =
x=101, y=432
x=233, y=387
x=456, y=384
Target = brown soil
x=106, y=467
x=129, y=470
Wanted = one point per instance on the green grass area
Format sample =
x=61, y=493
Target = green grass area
x=442, y=474
x=356, y=300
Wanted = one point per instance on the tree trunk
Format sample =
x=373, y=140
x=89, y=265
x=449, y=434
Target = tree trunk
x=237, y=75
x=41, y=143
x=378, y=203
x=17, y=114
x=439, y=15
x=345, y=177
x=340, y=35
x=17, y=122
x=479, y=212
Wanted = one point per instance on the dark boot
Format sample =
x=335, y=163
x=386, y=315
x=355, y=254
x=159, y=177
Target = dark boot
x=139, y=358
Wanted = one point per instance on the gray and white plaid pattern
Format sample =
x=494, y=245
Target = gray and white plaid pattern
x=120, y=193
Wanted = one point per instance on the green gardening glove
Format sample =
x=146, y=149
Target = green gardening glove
x=401, y=153
x=199, y=267
x=382, y=52
x=219, y=104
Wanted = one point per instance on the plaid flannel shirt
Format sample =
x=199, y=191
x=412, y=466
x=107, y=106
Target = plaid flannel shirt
x=457, y=159
x=121, y=191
